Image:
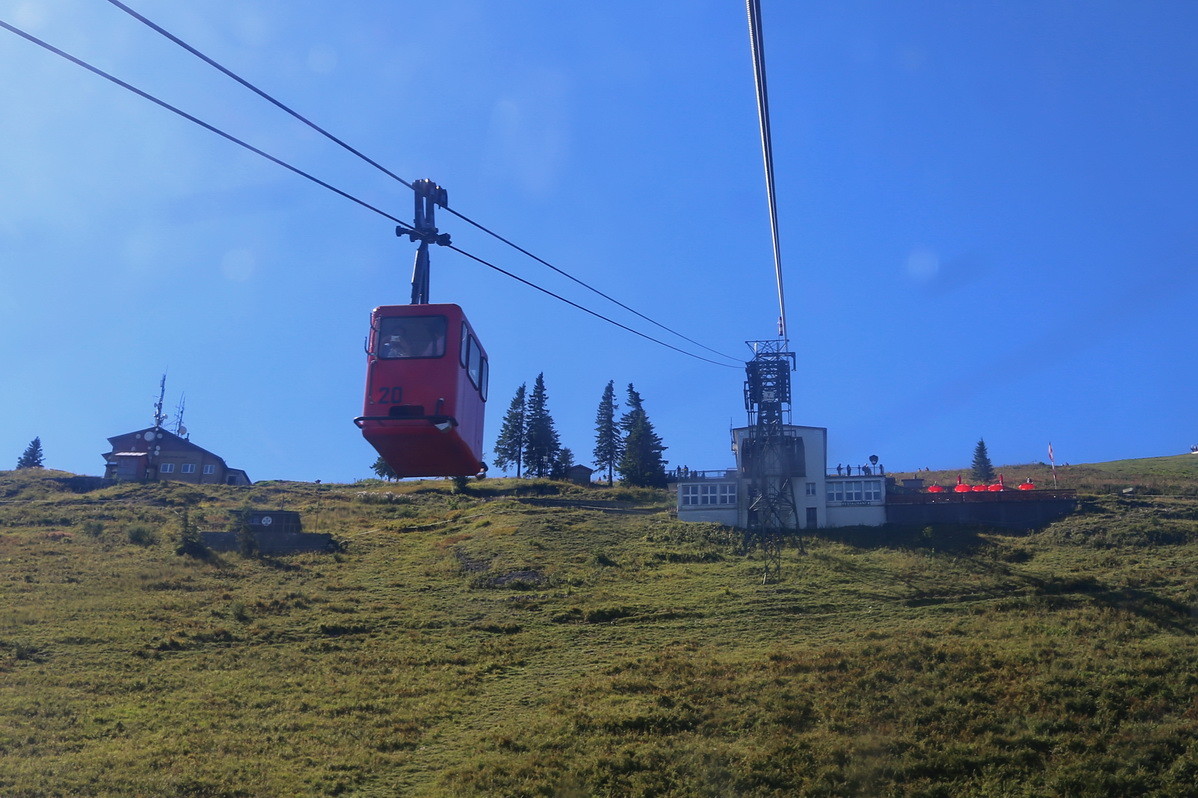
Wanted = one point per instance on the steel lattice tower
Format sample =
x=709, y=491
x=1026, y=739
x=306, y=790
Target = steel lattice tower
x=769, y=458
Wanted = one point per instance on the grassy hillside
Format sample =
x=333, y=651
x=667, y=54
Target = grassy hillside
x=580, y=642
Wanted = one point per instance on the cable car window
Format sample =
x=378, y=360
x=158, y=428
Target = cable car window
x=465, y=345
x=486, y=376
x=411, y=336
x=475, y=363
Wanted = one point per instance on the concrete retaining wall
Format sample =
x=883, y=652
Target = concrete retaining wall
x=1023, y=510
x=272, y=542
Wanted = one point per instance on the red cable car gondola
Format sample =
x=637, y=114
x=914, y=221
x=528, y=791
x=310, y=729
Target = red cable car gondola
x=426, y=372
x=426, y=391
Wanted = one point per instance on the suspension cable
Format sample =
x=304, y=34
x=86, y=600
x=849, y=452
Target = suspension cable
x=407, y=227
x=596, y=314
x=569, y=276
x=757, y=46
x=254, y=89
x=163, y=104
x=295, y=114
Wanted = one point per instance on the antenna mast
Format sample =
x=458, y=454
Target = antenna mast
x=180, y=430
x=159, y=416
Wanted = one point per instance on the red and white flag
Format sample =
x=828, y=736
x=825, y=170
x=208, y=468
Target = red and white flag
x=1054, y=462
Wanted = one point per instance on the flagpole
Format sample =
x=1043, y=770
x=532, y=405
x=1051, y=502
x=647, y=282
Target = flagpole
x=1054, y=465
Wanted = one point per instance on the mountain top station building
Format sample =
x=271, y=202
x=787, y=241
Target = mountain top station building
x=844, y=498
x=155, y=453
x=857, y=495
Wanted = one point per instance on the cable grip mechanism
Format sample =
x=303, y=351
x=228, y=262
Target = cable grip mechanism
x=428, y=195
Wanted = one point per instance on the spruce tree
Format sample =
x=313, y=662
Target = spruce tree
x=641, y=462
x=384, y=470
x=608, y=443
x=247, y=538
x=32, y=458
x=509, y=447
x=982, y=471
x=191, y=543
x=563, y=463
x=541, y=442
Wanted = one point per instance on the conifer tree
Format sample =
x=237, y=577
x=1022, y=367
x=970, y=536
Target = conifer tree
x=509, y=447
x=384, y=470
x=608, y=443
x=191, y=543
x=32, y=457
x=541, y=441
x=982, y=471
x=641, y=462
x=247, y=538
x=563, y=463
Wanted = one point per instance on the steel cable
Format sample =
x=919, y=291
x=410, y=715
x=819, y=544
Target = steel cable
x=295, y=114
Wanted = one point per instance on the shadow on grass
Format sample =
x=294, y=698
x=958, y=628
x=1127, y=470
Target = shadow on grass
x=198, y=551
x=951, y=539
x=277, y=564
x=1164, y=612
x=968, y=543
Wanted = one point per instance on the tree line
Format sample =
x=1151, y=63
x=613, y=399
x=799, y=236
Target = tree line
x=628, y=445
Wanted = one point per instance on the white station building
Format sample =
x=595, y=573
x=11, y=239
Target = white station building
x=844, y=496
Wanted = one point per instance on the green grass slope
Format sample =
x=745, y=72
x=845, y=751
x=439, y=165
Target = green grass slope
x=535, y=639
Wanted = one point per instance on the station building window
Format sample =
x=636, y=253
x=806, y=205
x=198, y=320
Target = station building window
x=719, y=494
x=855, y=490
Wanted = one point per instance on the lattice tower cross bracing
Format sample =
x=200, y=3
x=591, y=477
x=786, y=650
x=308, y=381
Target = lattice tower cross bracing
x=768, y=458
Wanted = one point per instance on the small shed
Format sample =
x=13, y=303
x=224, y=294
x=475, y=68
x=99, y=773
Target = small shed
x=274, y=532
x=284, y=521
x=579, y=475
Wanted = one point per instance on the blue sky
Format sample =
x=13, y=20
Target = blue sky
x=987, y=217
